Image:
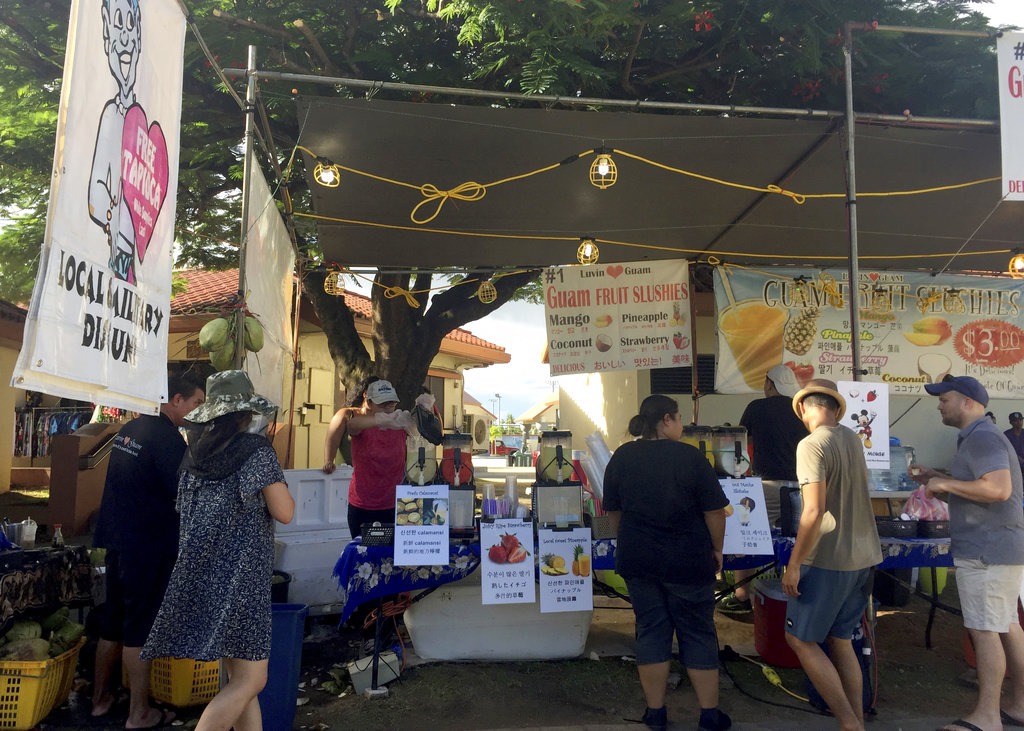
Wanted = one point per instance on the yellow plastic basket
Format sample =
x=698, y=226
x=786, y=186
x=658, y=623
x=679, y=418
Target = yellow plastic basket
x=30, y=689
x=181, y=681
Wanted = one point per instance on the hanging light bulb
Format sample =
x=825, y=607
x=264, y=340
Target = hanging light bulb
x=487, y=292
x=800, y=290
x=880, y=301
x=587, y=253
x=332, y=284
x=326, y=173
x=603, y=172
x=952, y=302
x=1016, y=267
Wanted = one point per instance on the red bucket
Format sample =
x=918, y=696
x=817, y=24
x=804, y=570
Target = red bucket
x=769, y=604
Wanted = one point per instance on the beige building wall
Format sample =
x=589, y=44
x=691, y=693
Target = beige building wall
x=8, y=402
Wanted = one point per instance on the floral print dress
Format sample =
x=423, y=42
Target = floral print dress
x=218, y=601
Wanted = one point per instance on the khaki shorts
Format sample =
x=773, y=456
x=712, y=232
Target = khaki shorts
x=988, y=594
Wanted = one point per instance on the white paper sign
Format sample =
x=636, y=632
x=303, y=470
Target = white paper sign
x=618, y=317
x=421, y=525
x=506, y=562
x=565, y=585
x=1010, y=53
x=867, y=413
x=747, y=531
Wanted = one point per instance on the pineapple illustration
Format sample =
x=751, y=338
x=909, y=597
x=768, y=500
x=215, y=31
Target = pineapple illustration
x=800, y=331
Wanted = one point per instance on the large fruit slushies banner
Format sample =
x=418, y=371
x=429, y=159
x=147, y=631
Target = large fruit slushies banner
x=915, y=328
x=618, y=317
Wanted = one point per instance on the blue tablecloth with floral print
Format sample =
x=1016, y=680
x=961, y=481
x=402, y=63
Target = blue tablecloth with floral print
x=366, y=573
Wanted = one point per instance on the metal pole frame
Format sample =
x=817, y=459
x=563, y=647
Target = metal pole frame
x=851, y=165
x=249, y=111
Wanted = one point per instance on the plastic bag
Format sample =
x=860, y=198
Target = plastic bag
x=921, y=507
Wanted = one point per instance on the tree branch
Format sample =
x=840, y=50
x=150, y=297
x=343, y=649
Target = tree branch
x=328, y=65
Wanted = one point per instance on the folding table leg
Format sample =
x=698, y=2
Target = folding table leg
x=376, y=642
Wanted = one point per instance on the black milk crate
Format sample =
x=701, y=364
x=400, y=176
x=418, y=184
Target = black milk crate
x=896, y=528
x=933, y=528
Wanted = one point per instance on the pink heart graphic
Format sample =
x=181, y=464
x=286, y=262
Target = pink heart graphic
x=143, y=174
x=873, y=276
x=614, y=271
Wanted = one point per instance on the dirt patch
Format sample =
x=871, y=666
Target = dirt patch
x=913, y=682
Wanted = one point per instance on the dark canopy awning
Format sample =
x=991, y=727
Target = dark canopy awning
x=663, y=214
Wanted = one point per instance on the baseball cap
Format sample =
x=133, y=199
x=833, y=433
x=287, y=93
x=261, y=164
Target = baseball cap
x=1016, y=415
x=381, y=392
x=965, y=385
x=784, y=379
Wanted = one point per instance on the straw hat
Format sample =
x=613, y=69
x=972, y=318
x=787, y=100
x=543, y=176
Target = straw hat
x=820, y=385
x=228, y=392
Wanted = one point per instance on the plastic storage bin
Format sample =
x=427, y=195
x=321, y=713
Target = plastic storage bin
x=277, y=699
x=30, y=689
x=181, y=681
x=770, y=624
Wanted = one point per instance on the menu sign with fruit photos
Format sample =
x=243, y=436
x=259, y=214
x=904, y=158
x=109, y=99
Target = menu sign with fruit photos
x=421, y=525
x=618, y=317
x=747, y=532
x=506, y=562
x=915, y=328
x=867, y=413
x=564, y=560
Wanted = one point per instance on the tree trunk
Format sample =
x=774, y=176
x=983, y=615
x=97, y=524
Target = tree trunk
x=351, y=360
x=405, y=338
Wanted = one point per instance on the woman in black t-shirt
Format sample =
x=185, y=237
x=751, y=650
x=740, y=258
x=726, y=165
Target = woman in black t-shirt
x=669, y=513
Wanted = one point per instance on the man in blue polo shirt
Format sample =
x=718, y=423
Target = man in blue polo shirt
x=987, y=542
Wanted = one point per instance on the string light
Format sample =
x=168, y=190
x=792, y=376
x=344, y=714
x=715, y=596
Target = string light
x=487, y=292
x=332, y=284
x=1016, y=266
x=603, y=172
x=952, y=302
x=799, y=290
x=326, y=173
x=880, y=301
x=587, y=253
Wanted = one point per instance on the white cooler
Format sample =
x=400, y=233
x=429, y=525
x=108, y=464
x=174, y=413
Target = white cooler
x=309, y=546
x=452, y=624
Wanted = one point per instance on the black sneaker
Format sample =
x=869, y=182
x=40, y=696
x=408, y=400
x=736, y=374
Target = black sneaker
x=732, y=605
x=712, y=719
x=656, y=718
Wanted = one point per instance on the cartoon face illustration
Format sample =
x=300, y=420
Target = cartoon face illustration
x=122, y=41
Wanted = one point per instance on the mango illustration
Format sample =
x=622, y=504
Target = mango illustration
x=918, y=338
x=934, y=324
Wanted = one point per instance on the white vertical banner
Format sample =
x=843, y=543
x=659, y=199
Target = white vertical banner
x=1010, y=53
x=269, y=270
x=97, y=325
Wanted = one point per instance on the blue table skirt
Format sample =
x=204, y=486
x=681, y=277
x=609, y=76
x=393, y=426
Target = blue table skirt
x=366, y=573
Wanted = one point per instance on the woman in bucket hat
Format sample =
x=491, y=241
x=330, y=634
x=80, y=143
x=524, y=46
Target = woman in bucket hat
x=217, y=606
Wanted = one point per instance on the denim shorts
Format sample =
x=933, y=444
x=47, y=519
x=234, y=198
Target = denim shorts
x=830, y=604
x=686, y=610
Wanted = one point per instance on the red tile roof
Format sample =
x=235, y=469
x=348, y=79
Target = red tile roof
x=209, y=290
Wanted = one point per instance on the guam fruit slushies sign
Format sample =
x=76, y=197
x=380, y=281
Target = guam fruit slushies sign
x=618, y=317
x=97, y=325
